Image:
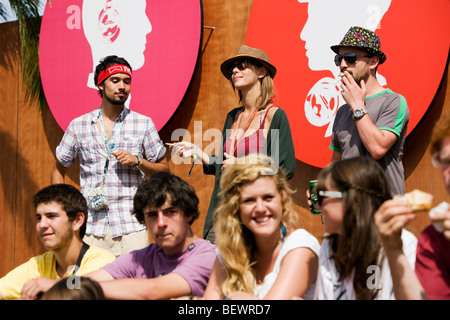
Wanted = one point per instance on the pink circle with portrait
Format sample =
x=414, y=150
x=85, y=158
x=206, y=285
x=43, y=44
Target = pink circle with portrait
x=160, y=39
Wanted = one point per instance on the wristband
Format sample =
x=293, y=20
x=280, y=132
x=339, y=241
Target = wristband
x=193, y=161
x=136, y=166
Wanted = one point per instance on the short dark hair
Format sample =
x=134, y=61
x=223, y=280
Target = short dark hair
x=153, y=192
x=107, y=62
x=71, y=200
x=89, y=290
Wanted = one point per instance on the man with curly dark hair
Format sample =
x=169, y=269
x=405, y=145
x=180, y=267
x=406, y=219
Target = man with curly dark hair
x=178, y=263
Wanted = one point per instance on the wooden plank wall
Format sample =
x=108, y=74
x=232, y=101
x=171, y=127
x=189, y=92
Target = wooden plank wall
x=28, y=138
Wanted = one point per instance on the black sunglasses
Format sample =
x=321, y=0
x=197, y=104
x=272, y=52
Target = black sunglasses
x=242, y=65
x=349, y=57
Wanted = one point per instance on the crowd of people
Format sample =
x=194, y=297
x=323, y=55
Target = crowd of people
x=253, y=245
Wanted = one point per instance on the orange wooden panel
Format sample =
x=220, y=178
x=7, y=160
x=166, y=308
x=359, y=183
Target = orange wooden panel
x=9, y=71
x=28, y=138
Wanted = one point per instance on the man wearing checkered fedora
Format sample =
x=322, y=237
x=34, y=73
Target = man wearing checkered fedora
x=374, y=119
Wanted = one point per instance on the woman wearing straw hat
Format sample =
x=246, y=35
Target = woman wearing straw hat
x=255, y=126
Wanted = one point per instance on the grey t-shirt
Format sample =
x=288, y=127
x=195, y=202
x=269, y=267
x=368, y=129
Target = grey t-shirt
x=388, y=111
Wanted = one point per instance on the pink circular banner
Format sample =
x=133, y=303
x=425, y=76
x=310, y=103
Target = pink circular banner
x=160, y=39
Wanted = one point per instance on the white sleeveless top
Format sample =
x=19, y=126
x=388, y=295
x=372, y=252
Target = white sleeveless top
x=300, y=238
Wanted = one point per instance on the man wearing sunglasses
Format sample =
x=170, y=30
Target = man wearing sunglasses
x=374, y=119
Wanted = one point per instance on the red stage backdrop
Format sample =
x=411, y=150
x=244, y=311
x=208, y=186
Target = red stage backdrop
x=160, y=39
x=297, y=36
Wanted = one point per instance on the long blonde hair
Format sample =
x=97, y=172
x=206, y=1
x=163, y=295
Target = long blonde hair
x=234, y=241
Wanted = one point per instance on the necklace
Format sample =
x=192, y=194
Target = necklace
x=235, y=134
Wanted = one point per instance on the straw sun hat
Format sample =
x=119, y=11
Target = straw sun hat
x=249, y=52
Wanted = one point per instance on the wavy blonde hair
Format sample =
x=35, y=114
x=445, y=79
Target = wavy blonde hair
x=234, y=241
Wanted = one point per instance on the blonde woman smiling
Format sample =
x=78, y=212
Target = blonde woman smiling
x=256, y=126
x=261, y=253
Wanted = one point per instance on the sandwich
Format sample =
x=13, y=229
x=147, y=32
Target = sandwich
x=417, y=200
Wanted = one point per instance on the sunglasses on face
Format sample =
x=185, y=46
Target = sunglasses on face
x=242, y=65
x=349, y=57
x=328, y=194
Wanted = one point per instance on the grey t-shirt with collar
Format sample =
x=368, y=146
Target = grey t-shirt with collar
x=388, y=111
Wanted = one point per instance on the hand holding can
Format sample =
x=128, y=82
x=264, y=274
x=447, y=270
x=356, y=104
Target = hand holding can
x=313, y=197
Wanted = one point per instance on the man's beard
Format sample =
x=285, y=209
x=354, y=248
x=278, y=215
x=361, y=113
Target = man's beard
x=359, y=77
x=117, y=102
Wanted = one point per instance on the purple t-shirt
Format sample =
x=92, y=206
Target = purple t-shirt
x=194, y=264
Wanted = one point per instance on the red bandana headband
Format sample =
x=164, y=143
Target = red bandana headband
x=117, y=68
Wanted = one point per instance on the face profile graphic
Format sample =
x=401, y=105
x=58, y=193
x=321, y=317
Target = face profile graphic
x=327, y=23
x=118, y=27
x=76, y=35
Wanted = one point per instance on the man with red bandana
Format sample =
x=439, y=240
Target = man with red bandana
x=117, y=148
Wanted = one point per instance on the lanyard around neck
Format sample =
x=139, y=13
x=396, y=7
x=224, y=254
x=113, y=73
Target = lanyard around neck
x=112, y=142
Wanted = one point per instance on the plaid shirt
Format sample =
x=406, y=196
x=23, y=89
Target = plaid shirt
x=82, y=139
